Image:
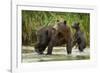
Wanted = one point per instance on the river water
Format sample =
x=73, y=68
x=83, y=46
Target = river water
x=59, y=54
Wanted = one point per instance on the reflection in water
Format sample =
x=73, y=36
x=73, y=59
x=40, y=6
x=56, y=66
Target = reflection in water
x=28, y=55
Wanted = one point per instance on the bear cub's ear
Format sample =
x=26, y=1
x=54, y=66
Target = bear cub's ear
x=78, y=23
x=64, y=22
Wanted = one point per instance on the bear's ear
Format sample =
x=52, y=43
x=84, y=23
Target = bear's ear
x=57, y=20
x=64, y=22
x=78, y=23
x=46, y=32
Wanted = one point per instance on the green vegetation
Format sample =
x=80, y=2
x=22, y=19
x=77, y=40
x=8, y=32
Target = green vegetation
x=33, y=20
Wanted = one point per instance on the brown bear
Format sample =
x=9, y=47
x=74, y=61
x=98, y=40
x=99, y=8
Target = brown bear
x=50, y=37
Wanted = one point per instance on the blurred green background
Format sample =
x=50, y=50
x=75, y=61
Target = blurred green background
x=33, y=20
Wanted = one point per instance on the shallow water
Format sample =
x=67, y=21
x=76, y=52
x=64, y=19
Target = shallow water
x=59, y=54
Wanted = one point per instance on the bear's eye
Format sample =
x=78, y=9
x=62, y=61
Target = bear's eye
x=60, y=35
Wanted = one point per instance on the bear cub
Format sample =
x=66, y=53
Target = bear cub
x=79, y=37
